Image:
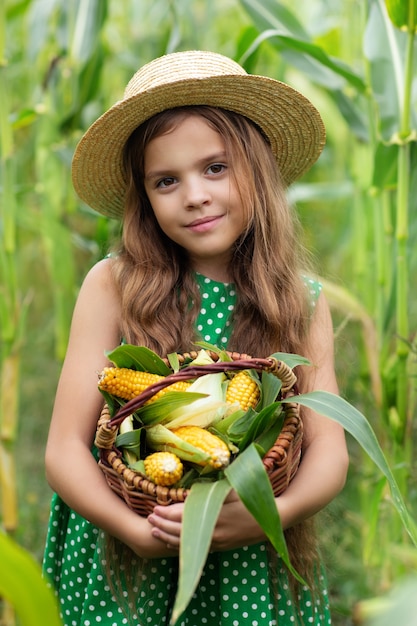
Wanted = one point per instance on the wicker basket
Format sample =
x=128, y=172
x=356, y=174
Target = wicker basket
x=141, y=494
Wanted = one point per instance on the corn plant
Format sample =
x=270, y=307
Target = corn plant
x=22, y=585
x=374, y=96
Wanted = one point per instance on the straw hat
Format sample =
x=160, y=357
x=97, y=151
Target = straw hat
x=291, y=123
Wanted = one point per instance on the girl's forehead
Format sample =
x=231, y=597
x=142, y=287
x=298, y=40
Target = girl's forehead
x=192, y=138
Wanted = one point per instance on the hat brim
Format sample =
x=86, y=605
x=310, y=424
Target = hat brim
x=289, y=120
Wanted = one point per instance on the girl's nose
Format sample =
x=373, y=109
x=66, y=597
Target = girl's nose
x=196, y=193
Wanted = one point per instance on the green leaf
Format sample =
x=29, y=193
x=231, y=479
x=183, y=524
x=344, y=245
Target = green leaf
x=385, y=49
x=403, y=13
x=223, y=425
x=139, y=467
x=261, y=422
x=291, y=359
x=339, y=410
x=174, y=361
x=222, y=354
x=22, y=585
x=112, y=402
x=385, y=166
x=238, y=427
x=267, y=439
x=283, y=31
x=270, y=388
x=129, y=439
x=273, y=14
x=138, y=358
x=90, y=17
x=311, y=59
x=201, y=510
x=353, y=114
x=249, y=479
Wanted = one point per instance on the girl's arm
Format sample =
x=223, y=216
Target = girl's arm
x=71, y=469
x=322, y=472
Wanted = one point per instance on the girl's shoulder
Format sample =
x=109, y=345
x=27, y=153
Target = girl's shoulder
x=99, y=287
x=101, y=272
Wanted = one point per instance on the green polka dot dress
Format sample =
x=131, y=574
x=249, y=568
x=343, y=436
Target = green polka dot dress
x=237, y=587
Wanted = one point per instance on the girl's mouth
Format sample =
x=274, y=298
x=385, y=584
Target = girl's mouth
x=204, y=224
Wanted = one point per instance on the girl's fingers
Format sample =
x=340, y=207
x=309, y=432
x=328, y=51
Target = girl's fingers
x=166, y=523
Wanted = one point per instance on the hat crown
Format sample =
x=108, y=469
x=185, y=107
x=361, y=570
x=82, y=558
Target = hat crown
x=177, y=66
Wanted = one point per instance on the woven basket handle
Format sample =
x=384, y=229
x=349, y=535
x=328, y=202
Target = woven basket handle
x=271, y=365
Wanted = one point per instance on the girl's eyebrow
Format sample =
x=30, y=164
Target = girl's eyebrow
x=211, y=158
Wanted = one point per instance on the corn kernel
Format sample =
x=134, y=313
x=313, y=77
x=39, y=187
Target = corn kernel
x=204, y=440
x=244, y=390
x=163, y=468
x=127, y=383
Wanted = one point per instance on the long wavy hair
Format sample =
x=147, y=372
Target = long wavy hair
x=159, y=296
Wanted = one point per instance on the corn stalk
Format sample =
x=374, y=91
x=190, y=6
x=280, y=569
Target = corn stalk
x=12, y=312
x=404, y=15
x=376, y=105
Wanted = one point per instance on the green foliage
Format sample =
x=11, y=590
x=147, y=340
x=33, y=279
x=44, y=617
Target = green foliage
x=403, y=13
x=21, y=584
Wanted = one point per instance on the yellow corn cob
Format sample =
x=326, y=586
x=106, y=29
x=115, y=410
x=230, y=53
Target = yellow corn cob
x=163, y=468
x=215, y=447
x=244, y=390
x=127, y=384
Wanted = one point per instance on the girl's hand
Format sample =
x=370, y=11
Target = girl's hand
x=166, y=524
x=235, y=527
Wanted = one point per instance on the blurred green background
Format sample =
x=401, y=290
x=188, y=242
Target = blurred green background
x=64, y=63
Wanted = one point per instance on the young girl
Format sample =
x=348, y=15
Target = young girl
x=195, y=160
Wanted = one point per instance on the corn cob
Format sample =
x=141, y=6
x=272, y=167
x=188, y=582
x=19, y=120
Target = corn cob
x=244, y=390
x=162, y=439
x=218, y=451
x=127, y=383
x=163, y=468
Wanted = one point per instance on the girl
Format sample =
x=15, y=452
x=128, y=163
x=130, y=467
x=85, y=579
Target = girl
x=195, y=160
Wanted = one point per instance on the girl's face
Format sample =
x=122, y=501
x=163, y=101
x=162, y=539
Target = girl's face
x=191, y=190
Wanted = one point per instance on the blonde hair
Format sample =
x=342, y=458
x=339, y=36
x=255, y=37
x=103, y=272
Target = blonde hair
x=159, y=296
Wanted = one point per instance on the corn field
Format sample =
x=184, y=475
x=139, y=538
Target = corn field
x=64, y=63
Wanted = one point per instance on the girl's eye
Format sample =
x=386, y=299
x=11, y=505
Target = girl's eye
x=216, y=168
x=165, y=182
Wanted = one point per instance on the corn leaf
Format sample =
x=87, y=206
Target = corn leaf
x=138, y=358
x=270, y=388
x=222, y=354
x=258, y=424
x=267, y=439
x=201, y=510
x=112, y=402
x=129, y=439
x=403, y=13
x=291, y=359
x=174, y=361
x=249, y=479
x=282, y=29
x=138, y=466
x=339, y=410
x=238, y=428
x=223, y=425
x=22, y=585
x=271, y=384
